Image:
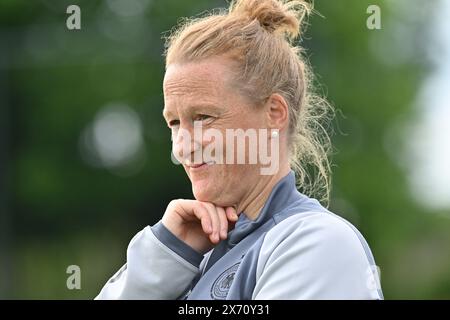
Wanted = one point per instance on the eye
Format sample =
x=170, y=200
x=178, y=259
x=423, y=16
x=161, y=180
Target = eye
x=202, y=117
x=173, y=123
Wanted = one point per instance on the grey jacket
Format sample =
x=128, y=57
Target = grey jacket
x=295, y=249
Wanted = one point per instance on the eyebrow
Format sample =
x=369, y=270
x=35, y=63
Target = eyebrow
x=194, y=109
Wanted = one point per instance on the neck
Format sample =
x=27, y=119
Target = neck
x=254, y=201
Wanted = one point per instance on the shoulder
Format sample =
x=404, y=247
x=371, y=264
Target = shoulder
x=324, y=253
x=324, y=229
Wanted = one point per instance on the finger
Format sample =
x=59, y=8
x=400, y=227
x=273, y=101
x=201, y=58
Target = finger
x=196, y=210
x=215, y=236
x=205, y=219
x=223, y=222
x=231, y=214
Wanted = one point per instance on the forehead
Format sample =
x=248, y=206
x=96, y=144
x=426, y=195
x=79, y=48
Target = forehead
x=206, y=81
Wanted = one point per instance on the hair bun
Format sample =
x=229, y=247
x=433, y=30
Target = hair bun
x=276, y=16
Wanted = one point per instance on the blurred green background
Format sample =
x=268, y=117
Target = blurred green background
x=85, y=154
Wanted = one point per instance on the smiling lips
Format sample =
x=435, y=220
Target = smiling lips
x=202, y=165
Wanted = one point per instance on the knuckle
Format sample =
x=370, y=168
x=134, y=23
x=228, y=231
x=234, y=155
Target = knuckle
x=201, y=205
x=208, y=205
x=175, y=202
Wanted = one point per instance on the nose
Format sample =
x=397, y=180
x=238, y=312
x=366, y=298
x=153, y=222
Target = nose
x=185, y=146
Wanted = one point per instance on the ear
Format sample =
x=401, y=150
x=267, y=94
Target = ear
x=277, y=112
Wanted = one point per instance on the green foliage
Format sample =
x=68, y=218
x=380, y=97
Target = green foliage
x=65, y=211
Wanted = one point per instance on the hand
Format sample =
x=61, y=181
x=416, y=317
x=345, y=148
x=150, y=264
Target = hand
x=199, y=224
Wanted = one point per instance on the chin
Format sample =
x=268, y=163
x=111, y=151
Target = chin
x=206, y=193
x=217, y=197
x=203, y=195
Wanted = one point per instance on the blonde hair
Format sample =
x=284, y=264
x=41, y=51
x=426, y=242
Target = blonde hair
x=259, y=36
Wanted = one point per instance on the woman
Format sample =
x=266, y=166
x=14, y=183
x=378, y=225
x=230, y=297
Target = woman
x=247, y=235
